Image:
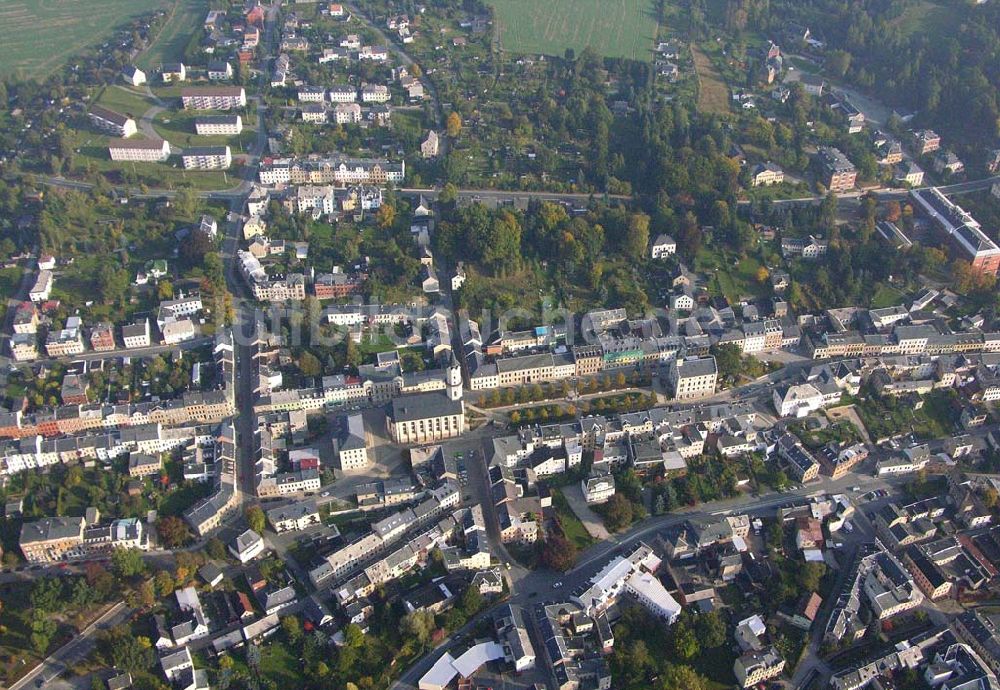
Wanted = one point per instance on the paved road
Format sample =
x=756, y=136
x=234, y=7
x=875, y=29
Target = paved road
x=90, y=355
x=406, y=59
x=73, y=651
x=850, y=200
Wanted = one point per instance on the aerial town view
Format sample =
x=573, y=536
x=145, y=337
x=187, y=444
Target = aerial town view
x=499, y=345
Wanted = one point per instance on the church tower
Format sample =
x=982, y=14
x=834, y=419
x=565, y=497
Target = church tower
x=453, y=378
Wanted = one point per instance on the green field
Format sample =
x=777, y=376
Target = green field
x=39, y=35
x=185, y=19
x=614, y=28
x=126, y=100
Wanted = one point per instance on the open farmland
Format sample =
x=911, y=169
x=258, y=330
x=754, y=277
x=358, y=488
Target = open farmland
x=39, y=35
x=614, y=28
x=713, y=94
x=183, y=23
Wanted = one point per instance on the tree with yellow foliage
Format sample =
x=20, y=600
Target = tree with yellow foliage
x=454, y=124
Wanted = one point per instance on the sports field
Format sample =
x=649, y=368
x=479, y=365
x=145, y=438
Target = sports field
x=36, y=36
x=614, y=28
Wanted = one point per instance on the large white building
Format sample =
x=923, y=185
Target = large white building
x=352, y=444
x=207, y=158
x=213, y=97
x=42, y=288
x=114, y=123
x=247, y=546
x=334, y=170
x=797, y=401
x=218, y=125
x=425, y=418
x=634, y=574
x=139, y=150
x=694, y=377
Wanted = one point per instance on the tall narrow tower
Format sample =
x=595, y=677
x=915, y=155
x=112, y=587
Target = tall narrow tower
x=453, y=375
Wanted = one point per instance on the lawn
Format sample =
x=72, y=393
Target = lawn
x=887, y=296
x=614, y=28
x=92, y=153
x=10, y=279
x=734, y=281
x=124, y=100
x=184, y=22
x=927, y=17
x=39, y=35
x=713, y=94
x=178, y=129
x=572, y=528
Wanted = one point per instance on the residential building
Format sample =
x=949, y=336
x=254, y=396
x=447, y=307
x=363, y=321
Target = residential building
x=314, y=114
x=429, y=147
x=295, y=516
x=49, y=540
x=352, y=444
x=908, y=173
x=139, y=150
x=247, y=546
x=102, y=337
x=801, y=464
x=599, y=487
x=219, y=71
x=342, y=93
x=133, y=75
x=63, y=342
x=962, y=230
x=213, y=97
x=691, y=378
x=345, y=113
x=375, y=93
x=26, y=318
x=317, y=170
x=948, y=162
x=207, y=158
x=23, y=347
x=839, y=173
x=797, y=400
x=177, y=331
x=173, y=71
x=924, y=141
x=807, y=248
x=755, y=667
x=765, y=174
x=114, y=123
x=143, y=464
x=218, y=125
x=42, y=287
x=663, y=246
x=136, y=335
x=312, y=94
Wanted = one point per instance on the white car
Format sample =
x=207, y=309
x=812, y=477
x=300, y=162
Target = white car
x=557, y=585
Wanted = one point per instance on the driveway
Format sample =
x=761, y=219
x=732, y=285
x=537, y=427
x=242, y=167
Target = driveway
x=591, y=520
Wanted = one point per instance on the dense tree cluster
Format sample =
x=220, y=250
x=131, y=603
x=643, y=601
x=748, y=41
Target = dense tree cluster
x=951, y=74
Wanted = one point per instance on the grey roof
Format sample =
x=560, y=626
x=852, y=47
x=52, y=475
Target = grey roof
x=205, y=151
x=293, y=511
x=701, y=366
x=49, y=529
x=424, y=406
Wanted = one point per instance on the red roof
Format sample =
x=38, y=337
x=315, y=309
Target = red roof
x=810, y=606
x=245, y=601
